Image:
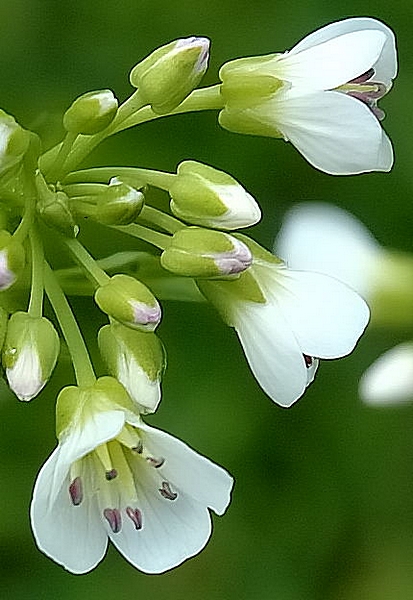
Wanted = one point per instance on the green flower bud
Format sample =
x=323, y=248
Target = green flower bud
x=168, y=75
x=129, y=301
x=119, y=204
x=91, y=112
x=12, y=260
x=205, y=253
x=75, y=405
x=14, y=141
x=30, y=353
x=137, y=360
x=56, y=213
x=205, y=196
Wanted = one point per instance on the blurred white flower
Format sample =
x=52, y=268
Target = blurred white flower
x=321, y=95
x=389, y=380
x=112, y=476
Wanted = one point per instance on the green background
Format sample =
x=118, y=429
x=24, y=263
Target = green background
x=322, y=507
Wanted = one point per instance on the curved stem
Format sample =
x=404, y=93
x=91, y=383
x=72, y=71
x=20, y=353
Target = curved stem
x=52, y=173
x=160, y=240
x=132, y=175
x=85, y=375
x=37, y=286
x=90, y=266
x=163, y=220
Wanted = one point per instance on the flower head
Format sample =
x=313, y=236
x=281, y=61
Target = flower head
x=112, y=476
x=286, y=320
x=321, y=95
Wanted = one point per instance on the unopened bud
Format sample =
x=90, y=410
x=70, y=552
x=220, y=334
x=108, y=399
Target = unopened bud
x=130, y=302
x=205, y=196
x=91, y=112
x=137, y=360
x=119, y=204
x=168, y=75
x=12, y=260
x=205, y=253
x=30, y=353
x=56, y=213
x=14, y=141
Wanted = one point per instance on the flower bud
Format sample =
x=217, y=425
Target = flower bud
x=30, y=353
x=205, y=196
x=12, y=260
x=14, y=141
x=137, y=360
x=56, y=213
x=91, y=112
x=119, y=204
x=168, y=75
x=129, y=301
x=205, y=253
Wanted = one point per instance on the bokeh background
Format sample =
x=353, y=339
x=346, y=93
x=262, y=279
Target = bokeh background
x=322, y=508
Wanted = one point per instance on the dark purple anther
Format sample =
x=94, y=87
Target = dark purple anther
x=113, y=517
x=308, y=360
x=166, y=491
x=76, y=491
x=136, y=516
x=155, y=462
x=364, y=77
x=111, y=474
x=138, y=448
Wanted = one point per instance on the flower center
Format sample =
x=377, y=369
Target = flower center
x=110, y=474
x=368, y=91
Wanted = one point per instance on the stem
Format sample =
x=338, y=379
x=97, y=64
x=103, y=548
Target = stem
x=163, y=220
x=85, y=375
x=37, y=284
x=202, y=99
x=52, y=173
x=133, y=176
x=85, y=189
x=82, y=256
x=160, y=240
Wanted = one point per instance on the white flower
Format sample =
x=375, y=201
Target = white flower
x=389, y=380
x=300, y=317
x=321, y=95
x=112, y=476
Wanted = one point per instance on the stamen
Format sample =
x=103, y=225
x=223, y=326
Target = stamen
x=76, y=491
x=138, y=448
x=166, y=491
x=113, y=517
x=135, y=516
x=308, y=360
x=364, y=77
x=111, y=474
x=155, y=462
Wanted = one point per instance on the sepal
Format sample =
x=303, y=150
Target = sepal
x=119, y=204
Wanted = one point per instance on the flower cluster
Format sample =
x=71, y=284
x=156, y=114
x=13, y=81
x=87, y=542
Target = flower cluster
x=112, y=476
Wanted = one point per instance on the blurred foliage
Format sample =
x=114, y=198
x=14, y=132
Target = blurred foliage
x=322, y=504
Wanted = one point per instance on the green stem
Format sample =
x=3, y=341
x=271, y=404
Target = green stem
x=160, y=240
x=90, y=266
x=202, y=99
x=27, y=220
x=85, y=375
x=161, y=219
x=84, y=189
x=132, y=175
x=52, y=173
x=37, y=284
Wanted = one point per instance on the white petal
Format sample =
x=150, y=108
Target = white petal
x=145, y=392
x=334, y=62
x=81, y=439
x=386, y=67
x=320, y=237
x=336, y=133
x=200, y=478
x=73, y=536
x=326, y=316
x=272, y=351
x=25, y=376
x=389, y=380
x=172, y=531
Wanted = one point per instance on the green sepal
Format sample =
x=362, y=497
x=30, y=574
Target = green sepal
x=90, y=113
x=119, y=204
x=170, y=73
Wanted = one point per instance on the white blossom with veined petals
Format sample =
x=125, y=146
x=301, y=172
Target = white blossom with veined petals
x=305, y=316
x=118, y=478
x=326, y=105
